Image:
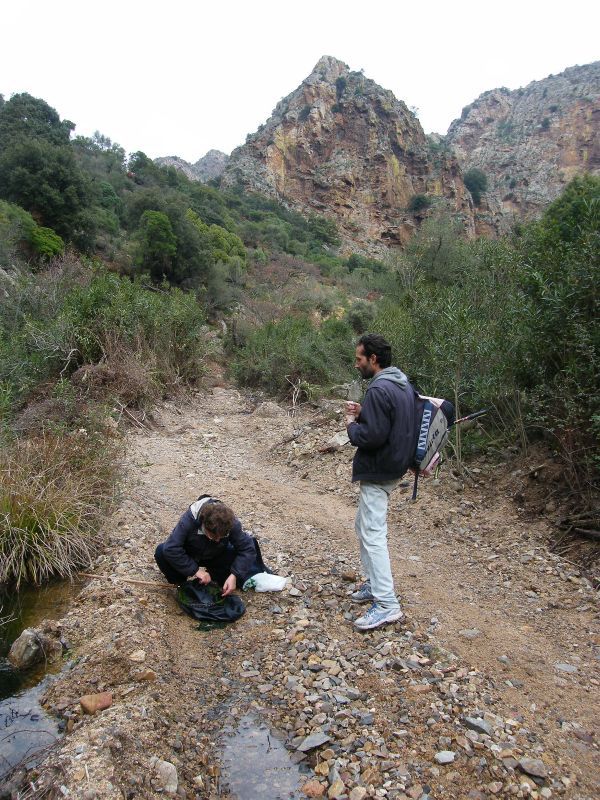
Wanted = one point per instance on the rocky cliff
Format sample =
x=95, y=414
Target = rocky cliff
x=341, y=145
x=530, y=143
x=207, y=168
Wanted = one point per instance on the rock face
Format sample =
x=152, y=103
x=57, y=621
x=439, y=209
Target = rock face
x=530, y=143
x=342, y=146
x=207, y=168
x=211, y=165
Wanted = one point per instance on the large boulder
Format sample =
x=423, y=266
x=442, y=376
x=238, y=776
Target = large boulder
x=35, y=645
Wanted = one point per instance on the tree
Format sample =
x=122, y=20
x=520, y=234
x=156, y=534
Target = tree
x=476, y=182
x=24, y=116
x=44, y=179
x=157, y=245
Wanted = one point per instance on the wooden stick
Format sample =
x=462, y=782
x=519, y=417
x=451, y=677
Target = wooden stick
x=128, y=580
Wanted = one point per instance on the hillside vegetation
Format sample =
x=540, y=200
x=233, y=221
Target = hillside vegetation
x=114, y=271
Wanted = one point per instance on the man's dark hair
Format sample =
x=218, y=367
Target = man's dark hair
x=374, y=344
x=217, y=518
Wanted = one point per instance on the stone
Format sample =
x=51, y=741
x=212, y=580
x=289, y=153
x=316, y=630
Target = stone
x=312, y=741
x=534, y=767
x=138, y=656
x=268, y=409
x=33, y=646
x=565, y=668
x=336, y=790
x=146, y=675
x=470, y=633
x=478, y=724
x=90, y=703
x=370, y=775
x=165, y=775
x=358, y=793
x=313, y=789
x=419, y=688
x=445, y=757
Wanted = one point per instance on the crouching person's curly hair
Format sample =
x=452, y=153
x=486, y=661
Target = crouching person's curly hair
x=218, y=519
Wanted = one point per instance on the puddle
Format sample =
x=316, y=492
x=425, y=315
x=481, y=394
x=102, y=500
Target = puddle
x=256, y=764
x=25, y=609
x=25, y=729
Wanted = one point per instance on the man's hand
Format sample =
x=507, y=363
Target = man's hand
x=229, y=585
x=203, y=576
x=353, y=409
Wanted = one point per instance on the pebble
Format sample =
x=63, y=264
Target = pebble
x=313, y=789
x=312, y=741
x=565, y=668
x=165, y=775
x=90, y=703
x=534, y=767
x=138, y=656
x=470, y=633
x=479, y=725
x=445, y=757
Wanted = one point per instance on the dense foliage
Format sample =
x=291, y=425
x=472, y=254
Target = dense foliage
x=112, y=268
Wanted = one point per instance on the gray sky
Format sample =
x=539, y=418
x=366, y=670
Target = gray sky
x=180, y=78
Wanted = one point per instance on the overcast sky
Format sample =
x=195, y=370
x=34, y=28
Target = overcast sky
x=183, y=77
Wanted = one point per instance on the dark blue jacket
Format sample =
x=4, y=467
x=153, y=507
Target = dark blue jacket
x=188, y=548
x=384, y=433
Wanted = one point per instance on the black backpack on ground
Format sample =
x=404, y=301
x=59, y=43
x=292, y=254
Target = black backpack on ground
x=206, y=604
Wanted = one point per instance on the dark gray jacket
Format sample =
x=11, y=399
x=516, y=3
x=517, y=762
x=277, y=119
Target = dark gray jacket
x=385, y=432
x=188, y=548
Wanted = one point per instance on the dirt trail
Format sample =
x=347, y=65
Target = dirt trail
x=498, y=632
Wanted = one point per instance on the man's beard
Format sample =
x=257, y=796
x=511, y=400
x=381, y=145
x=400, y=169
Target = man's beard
x=366, y=372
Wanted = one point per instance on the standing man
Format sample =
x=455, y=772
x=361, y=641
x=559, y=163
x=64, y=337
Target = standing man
x=383, y=431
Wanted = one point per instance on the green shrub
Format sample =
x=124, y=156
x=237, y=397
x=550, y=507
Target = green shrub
x=68, y=317
x=54, y=496
x=283, y=354
x=476, y=182
x=46, y=242
x=419, y=202
x=559, y=269
x=360, y=316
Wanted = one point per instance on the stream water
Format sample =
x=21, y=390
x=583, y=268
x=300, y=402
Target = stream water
x=256, y=764
x=25, y=728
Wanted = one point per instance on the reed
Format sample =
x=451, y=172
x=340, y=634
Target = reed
x=54, y=494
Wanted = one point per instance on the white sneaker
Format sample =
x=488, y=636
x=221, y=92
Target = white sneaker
x=363, y=594
x=377, y=616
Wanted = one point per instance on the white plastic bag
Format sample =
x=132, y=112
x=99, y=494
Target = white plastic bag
x=265, y=582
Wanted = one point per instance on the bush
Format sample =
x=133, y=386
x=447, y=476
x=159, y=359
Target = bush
x=66, y=317
x=476, y=182
x=360, y=316
x=54, y=495
x=294, y=351
x=560, y=272
x=419, y=202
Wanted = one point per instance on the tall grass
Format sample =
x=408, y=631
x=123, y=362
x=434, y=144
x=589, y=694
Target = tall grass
x=54, y=494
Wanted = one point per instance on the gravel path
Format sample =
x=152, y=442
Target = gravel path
x=488, y=689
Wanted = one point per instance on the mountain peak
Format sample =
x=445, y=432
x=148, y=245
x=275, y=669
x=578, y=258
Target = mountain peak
x=329, y=69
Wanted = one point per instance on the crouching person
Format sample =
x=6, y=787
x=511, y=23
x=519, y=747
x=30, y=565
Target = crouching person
x=208, y=543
